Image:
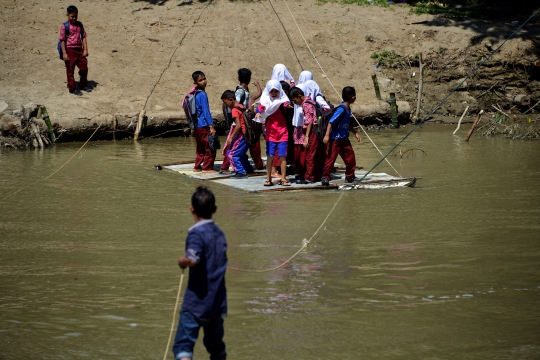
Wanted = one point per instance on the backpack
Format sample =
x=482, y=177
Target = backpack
x=190, y=108
x=243, y=98
x=253, y=129
x=323, y=118
x=227, y=115
x=66, y=34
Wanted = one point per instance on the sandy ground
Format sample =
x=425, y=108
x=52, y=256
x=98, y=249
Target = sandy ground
x=142, y=53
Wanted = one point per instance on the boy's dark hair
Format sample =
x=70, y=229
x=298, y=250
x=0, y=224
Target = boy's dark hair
x=296, y=92
x=244, y=75
x=347, y=93
x=228, y=94
x=203, y=202
x=285, y=86
x=72, y=9
x=196, y=75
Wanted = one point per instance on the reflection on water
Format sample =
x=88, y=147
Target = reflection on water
x=447, y=269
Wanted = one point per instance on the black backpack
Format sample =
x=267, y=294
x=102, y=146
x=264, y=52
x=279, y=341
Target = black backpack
x=323, y=118
x=253, y=128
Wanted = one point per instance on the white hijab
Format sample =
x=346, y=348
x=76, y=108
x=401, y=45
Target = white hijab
x=298, y=117
x=314, y=92
x=305, y=76
x=280, y=73
x=272, y=105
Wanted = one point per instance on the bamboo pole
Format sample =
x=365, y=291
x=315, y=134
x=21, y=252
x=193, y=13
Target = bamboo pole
x=45, y=117
x=376, y=86
x=459, y=122
x=474, y=125
x=139, y=124
x=420, y=86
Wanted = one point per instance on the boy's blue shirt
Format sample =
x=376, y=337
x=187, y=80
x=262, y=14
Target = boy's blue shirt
x=203, y=110
x=342, y=116
x=206, y=296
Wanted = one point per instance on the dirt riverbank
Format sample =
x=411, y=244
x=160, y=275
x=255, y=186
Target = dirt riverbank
x=143, y=52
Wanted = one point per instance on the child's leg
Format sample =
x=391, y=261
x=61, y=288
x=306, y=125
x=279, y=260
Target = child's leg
x=270, y=149
x=320, y=159
x=255, y=152
x=311, y=157
x=209, y=154
x=199, y=135
x=70, y=69
x=226, y=162
x=332, y=154
x=299, y=160
x=347, y=154
x=82, y=64
x=213, y=339
x=238, y=156
x=186, y=336
x=283, y=160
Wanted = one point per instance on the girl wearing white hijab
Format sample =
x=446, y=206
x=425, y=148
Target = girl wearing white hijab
x=314, y=92
x=304, y=76
x=271, y=108
x=280, y=73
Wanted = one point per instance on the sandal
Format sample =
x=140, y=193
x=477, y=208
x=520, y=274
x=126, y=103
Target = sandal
x=268, y=183
x=284, y=183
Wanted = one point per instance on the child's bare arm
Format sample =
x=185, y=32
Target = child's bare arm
x=235, y=131
x=64, y=51
x=184, y=262
x=85, y=47
x=356, y=134
x=327, y=135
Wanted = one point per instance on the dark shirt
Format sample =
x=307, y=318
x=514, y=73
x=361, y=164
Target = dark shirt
x=206, y=296
x=340, y=123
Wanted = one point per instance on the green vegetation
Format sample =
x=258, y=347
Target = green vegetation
x=442, y=50
x=438, y=8
x=499, y=117
x=369, y=38
x=387, y=57
x=383, y=3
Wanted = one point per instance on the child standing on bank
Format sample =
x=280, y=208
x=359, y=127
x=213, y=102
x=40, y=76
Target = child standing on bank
x=337, y=138
x=205, y=299
x=272, y=108
x=205, y=155
x=74, y=50
x=309, y=155
x=237, y=146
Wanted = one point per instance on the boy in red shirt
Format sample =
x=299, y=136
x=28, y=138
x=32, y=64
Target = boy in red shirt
x=309, y=153
x=74, y=50
x=237, y=146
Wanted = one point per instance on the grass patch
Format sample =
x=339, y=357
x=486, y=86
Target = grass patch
x=387, y=57
x=437, y=8
x=383, y=3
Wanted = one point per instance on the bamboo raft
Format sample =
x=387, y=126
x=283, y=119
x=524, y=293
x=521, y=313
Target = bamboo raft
x=254, y=183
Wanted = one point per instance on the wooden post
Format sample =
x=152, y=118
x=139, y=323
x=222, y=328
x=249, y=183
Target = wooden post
x=36, y=134
x=45, y=117
x=139, y=124
x=394, y=108
x=459, y=122
x=420, y=86
x=474, y=125
x=376, y=86
x=114, y=127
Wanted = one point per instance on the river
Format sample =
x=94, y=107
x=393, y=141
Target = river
x=449, y=269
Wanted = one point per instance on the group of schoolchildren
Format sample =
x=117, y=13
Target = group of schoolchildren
x=290, y=115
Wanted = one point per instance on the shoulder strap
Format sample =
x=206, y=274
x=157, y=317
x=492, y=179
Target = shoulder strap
x=242, y=109
x=66, y=27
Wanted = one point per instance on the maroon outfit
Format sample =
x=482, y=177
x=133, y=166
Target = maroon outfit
x=76, y=58
x=205, y=156
x=314, y=158
x=255, y=152
x=343, y=148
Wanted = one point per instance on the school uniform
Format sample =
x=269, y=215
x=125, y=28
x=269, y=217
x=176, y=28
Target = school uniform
x=339, y=143
x=205, y=299
x=74, y=49
x=313, y=159
x=205, y=156
x=242, y=97
x=237, y=151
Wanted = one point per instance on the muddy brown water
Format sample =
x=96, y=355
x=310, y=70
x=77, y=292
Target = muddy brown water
x=449, y=269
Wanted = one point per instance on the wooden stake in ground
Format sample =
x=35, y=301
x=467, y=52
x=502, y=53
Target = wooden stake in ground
x=420, y=85
x=459, y=122
x=139, y=124
x=474, y=125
